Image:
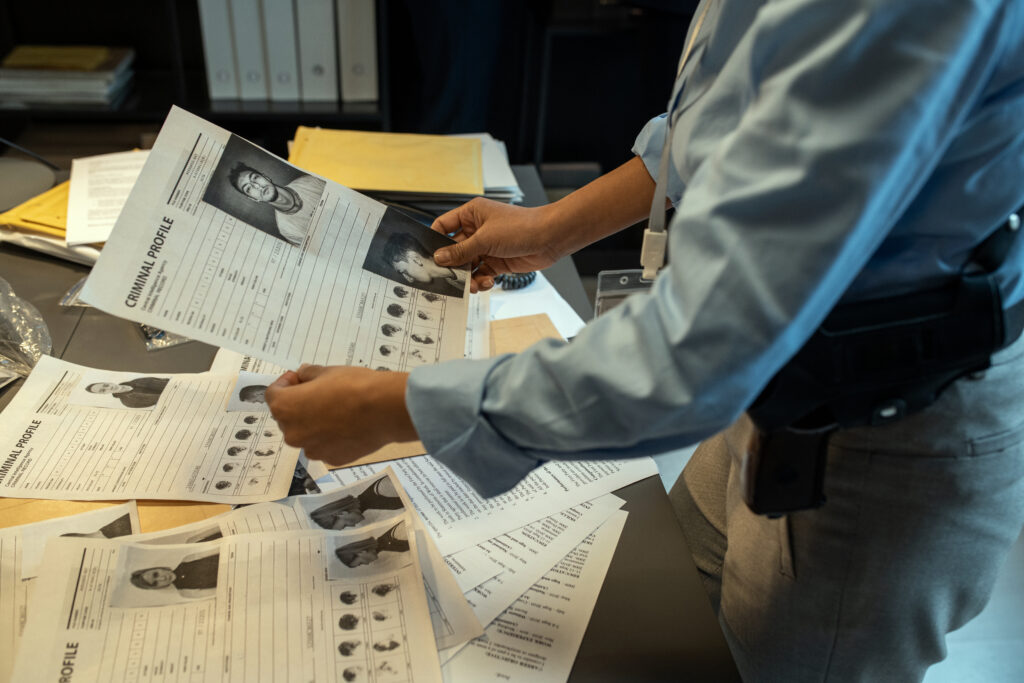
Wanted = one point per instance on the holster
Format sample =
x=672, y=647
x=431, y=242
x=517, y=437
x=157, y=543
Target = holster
x=870, y=363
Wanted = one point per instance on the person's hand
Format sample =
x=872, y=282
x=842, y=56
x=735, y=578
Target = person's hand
x=495, y=238
x=338, y=413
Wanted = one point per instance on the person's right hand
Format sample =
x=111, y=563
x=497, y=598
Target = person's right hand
x=495, y=238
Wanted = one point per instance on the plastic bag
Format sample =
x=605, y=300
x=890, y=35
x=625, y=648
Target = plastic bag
x=24, y=336
x=154, y=337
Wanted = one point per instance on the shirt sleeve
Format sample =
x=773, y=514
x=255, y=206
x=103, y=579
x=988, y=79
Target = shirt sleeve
x=648, y=146
x=845, y=113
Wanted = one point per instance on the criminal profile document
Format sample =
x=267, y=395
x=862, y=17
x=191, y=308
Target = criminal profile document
x=77, y=433
x=223, y=242
x=276, y=606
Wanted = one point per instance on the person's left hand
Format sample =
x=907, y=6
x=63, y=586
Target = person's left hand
x=338, y=413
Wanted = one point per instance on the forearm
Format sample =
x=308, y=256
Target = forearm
x=616, y=200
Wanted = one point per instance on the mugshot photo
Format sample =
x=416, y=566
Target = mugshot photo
x=156, y=576
x=402, y=250
x=122, y=526
x=248, y=393
x=263, y=191
x=354, y=506
x=107, y=390
x=384, y=550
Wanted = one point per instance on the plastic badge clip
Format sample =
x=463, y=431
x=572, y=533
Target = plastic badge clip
x=652, y=253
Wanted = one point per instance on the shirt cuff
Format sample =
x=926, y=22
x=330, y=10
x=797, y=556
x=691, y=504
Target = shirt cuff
x=444, y=403
x=648, y=146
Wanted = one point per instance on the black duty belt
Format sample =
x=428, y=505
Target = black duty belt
x=872, y=363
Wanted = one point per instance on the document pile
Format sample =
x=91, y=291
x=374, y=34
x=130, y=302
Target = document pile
x=72, y=220
x=409, y=168
x=259, y=593
x=65, y=74
x=384, y=572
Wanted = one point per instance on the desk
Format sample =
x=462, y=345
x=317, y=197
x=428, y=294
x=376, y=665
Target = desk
x=652, y=621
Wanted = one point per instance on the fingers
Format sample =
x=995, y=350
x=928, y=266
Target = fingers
x=448, y=222
x=461, y=253
x=307, y=372
x=483, y=278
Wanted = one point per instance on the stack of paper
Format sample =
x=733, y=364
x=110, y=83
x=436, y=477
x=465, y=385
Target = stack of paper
x=394, y=165
x=409, y=168
x=41, y=224
x=500, y=182
x=263, y=592
x=100, y=186
x=65, y=74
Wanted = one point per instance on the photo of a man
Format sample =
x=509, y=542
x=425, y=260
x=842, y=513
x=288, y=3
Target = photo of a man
x=402, y=250
x=140, y=392
x=378, y=551
x=247, y=394
x=378, y=500
x=264, y=192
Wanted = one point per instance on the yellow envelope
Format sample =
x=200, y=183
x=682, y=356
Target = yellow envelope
x=45, y=214
x=391, y=162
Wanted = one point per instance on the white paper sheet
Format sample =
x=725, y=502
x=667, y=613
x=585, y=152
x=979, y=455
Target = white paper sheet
x=226, y=362
x=528, y=553
x=177, y=442
x=379, y=498
x=458, y=518
x=478, y=326
x=275, y=606
x=472, y=567
x=99, y=188
x=539, y=297
x=193, y=254
x=536, y=639
x=21, y=550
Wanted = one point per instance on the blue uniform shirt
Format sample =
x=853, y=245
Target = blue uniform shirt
x=820, y=150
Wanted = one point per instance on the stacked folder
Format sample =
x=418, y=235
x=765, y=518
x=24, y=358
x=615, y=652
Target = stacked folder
x=65, y=74
x=407, y=167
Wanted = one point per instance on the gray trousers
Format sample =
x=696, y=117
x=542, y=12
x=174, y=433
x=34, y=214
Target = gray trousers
x=920, y=516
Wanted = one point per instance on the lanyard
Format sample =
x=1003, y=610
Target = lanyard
x=652, y=253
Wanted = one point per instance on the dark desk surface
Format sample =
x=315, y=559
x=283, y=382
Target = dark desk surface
x=652, y=620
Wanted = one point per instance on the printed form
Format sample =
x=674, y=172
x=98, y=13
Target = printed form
x=536, y=639
x=231, y=245
x=285, y=606
x=458, y=518
x=381, y=497
x=76, y=433
x=21, y=550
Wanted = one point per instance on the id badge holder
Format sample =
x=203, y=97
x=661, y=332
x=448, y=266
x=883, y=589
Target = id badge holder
x=613, y=286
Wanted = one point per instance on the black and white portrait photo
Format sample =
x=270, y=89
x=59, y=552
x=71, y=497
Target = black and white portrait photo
x=154, y=576
x=101, y=390
x=247, y=394
x=402, y=250
x=380, y=551
x=263, y=191
x=354, y=506
x=122, y=526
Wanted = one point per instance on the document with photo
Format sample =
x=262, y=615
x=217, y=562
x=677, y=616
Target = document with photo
x=281, y=606
x=76, y=433
x=225, y=243
x=21, y=551
x=536, y=639
x=249, y=519
x=376, y=500
x=458, y=518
